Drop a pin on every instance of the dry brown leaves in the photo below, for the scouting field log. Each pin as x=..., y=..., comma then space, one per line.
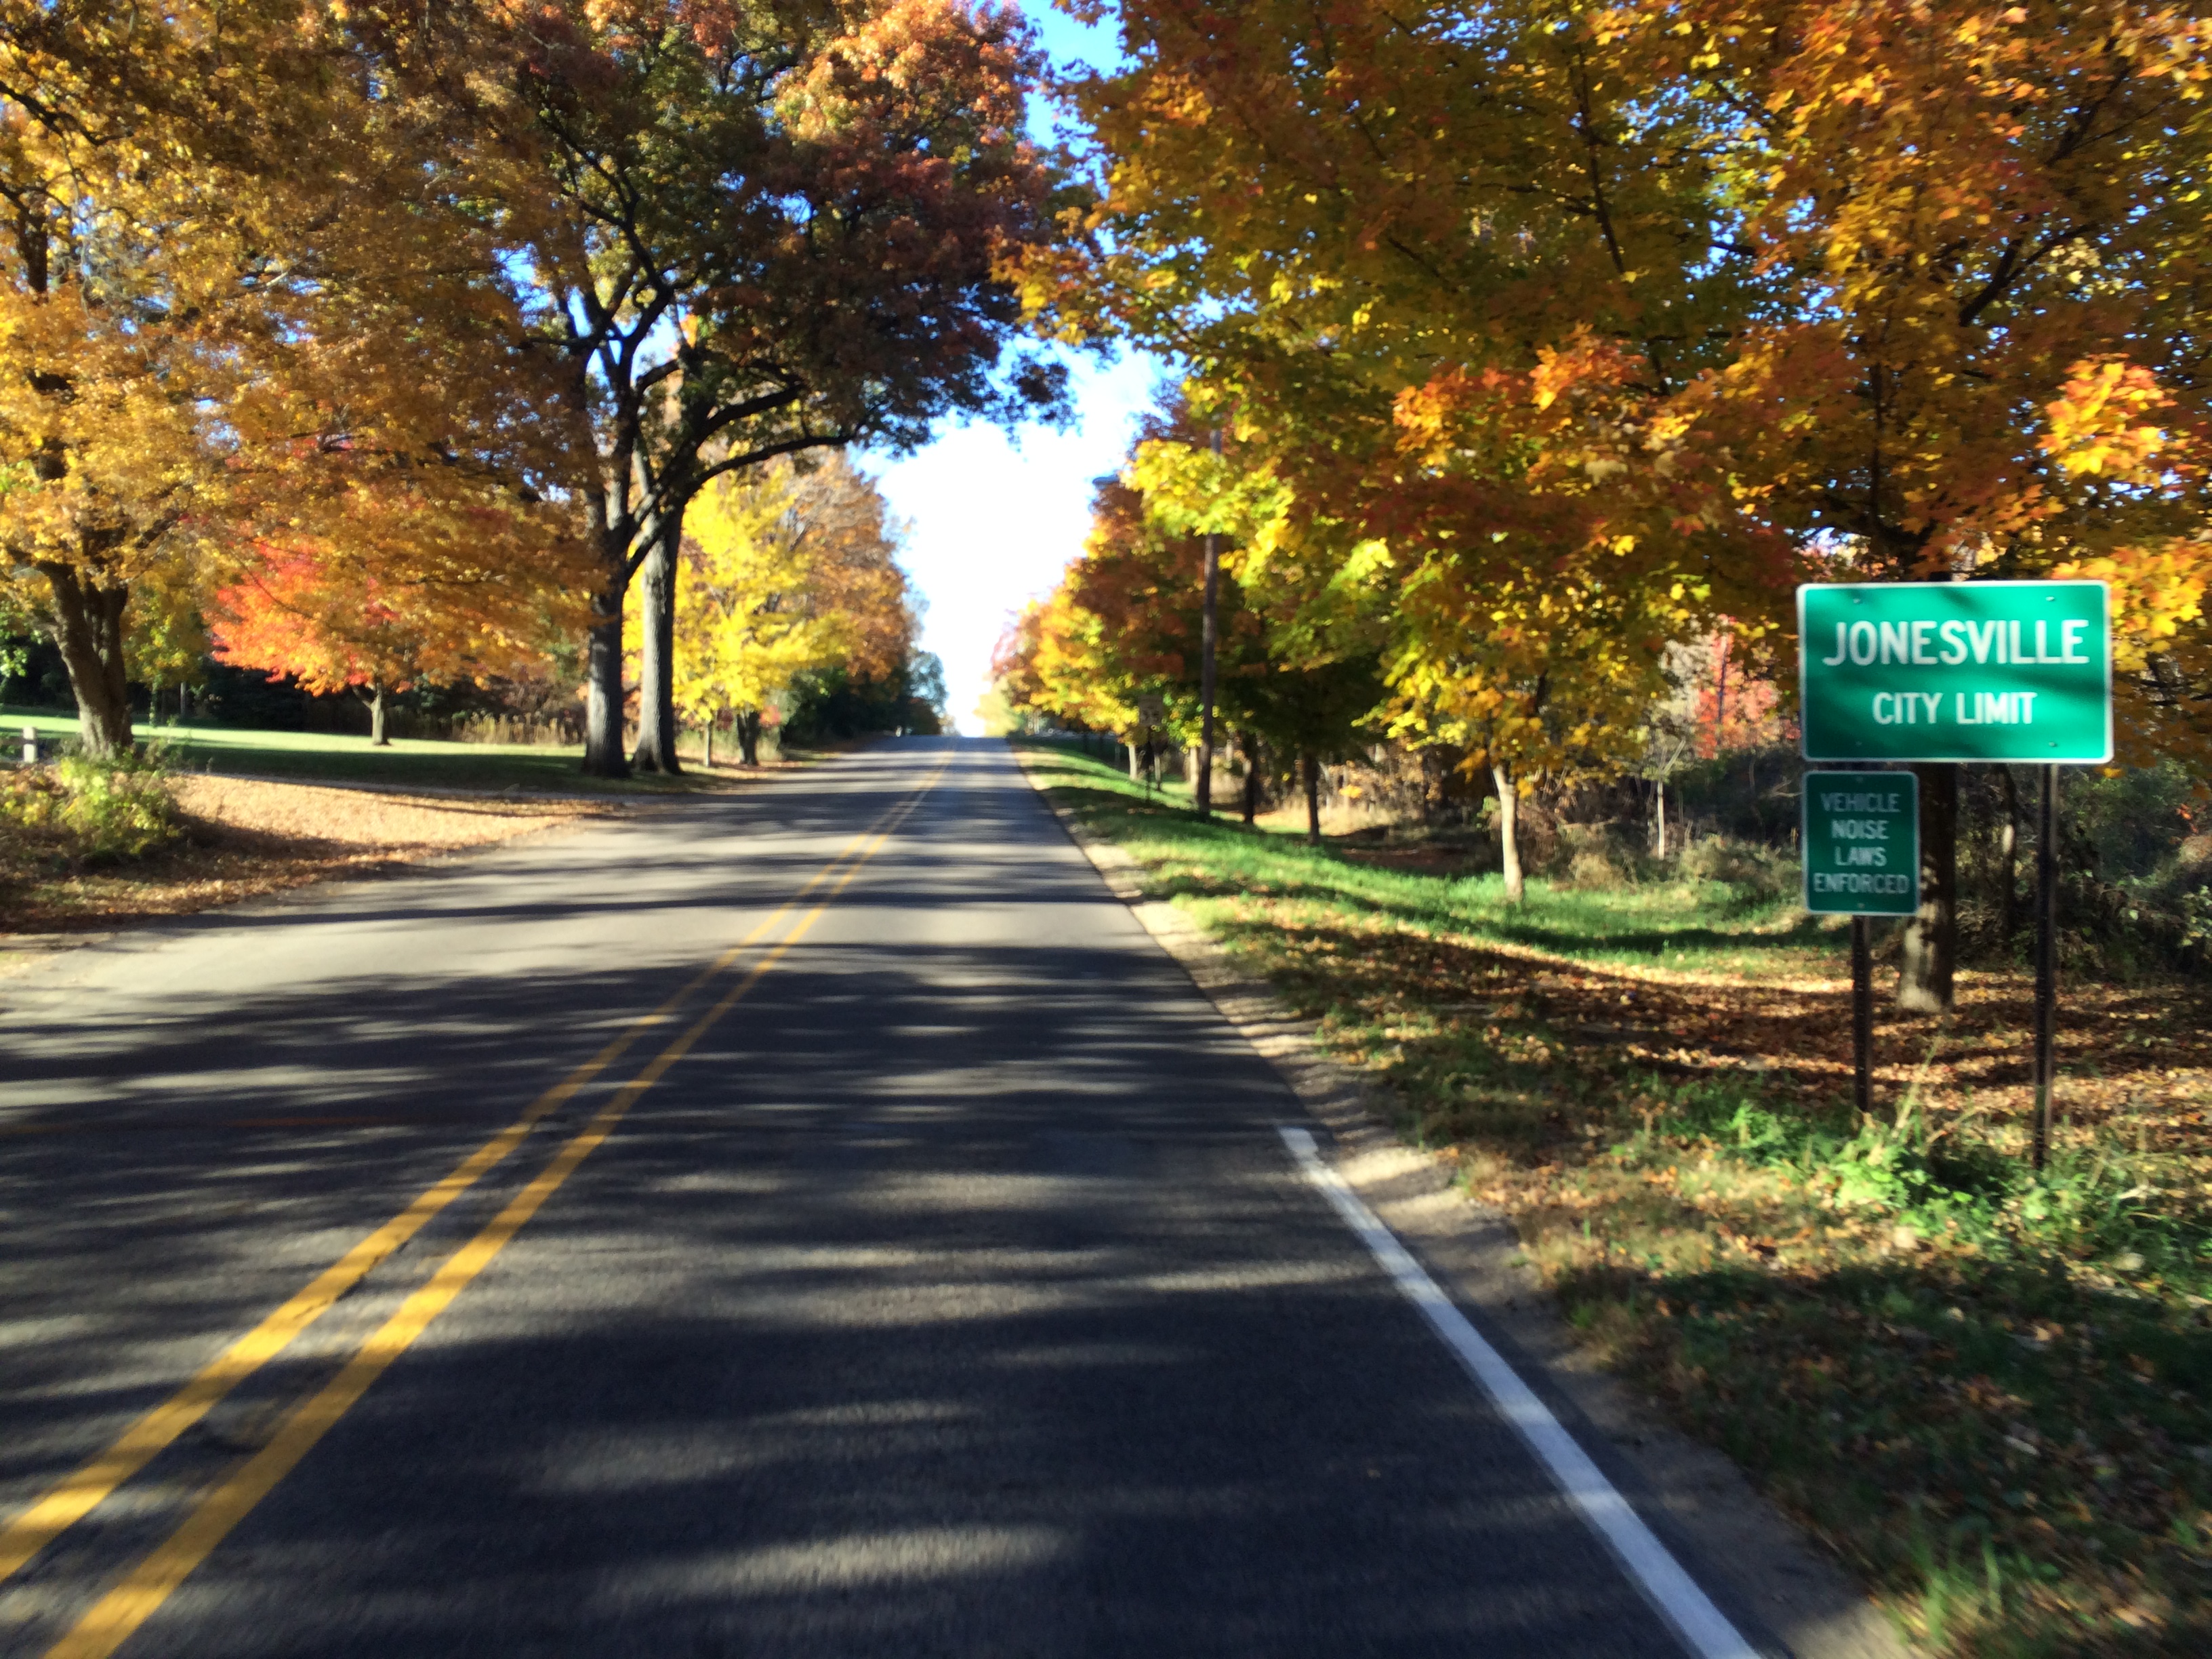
x=248, y=837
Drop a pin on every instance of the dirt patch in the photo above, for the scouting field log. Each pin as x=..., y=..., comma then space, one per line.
x=247, y=837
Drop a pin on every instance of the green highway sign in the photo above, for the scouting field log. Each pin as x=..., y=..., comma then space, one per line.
x=1862, y=843
x=1956, y=671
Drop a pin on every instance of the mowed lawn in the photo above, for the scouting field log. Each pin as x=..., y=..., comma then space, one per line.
x=1991, y=1394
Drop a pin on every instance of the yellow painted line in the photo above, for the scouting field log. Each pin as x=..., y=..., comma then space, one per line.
x=111, y=1619
x=62, y=1505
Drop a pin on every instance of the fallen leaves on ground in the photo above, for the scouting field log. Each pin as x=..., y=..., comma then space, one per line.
x=243, y=838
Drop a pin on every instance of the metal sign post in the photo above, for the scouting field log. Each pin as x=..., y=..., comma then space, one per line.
x=1989, y=671
x=2046, y=958
x=1862, y=851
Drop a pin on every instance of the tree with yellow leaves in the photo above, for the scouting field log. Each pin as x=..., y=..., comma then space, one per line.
x=785, y=571
x=228, y=304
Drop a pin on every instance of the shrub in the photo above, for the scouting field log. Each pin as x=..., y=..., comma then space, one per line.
x=81, y=811
x=1757, y=872
x=119, y=808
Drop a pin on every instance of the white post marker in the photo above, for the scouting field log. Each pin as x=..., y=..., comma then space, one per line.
x=1702, y=1628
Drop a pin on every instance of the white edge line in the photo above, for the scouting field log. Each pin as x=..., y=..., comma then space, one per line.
x=1701, y=1627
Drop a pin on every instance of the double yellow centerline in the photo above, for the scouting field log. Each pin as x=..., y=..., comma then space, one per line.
x=131, y=1602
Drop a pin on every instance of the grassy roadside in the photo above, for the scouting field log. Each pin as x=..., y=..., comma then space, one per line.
x=1987, y=1393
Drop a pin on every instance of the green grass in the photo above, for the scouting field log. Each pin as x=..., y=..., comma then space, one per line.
x=1690, y=926
x=313, y=757
x=1988, y=1391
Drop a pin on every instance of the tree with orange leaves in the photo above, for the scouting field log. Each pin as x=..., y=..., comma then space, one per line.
x=223, y=272
x=754, y=231
x=402, y=584
x=1670, y=306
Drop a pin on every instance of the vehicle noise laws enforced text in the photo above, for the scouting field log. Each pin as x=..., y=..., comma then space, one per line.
x=1956, y=671
x=1862, y=843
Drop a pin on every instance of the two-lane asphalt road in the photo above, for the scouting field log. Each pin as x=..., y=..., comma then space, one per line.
x=501, y=1262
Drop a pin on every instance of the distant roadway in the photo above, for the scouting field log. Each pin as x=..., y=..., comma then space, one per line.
x=817, y=1222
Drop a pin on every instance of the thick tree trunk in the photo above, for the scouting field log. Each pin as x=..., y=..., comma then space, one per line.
x=1133, y=763
x=2008, y=855
x=1310, y=764
x=88, y=633
x=1251, y=747
x=377, y=740
x=1509, y=833
x=1931, y=939
x=603, y=699
x=748, y=731
x=656, y=675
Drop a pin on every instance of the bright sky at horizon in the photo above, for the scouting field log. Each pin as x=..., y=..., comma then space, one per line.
x=994, y=519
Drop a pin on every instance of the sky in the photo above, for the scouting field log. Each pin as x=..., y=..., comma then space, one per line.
x=994, y=519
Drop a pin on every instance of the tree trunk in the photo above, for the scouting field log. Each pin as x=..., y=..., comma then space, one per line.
x=603, y=703
x=748, y=731
x=710, y=743
x=1206, y=650
x=656, y=674
x=88, y=633
x=1310, y=764
x=377, y=740
x=1251, y=747
x=1133, y=763
x=2008, y=854
x=1509, y=835
x=1662, y=818
x=1931, y=939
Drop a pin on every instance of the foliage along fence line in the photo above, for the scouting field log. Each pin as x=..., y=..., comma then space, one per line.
x=1529, y=349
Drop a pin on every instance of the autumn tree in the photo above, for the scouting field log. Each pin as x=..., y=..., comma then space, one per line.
x=222, y=270
x=785, y=571
x=1983, y=233
x=1665, y=306
x=1437, y=271
x=404, y=586
x=1125, y=621
x=758, y=230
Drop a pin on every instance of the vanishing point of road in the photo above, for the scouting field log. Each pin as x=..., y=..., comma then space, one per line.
x=820, y=1221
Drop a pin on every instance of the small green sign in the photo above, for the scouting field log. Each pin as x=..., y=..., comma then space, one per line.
x=1862, y=843
x=1956, y=671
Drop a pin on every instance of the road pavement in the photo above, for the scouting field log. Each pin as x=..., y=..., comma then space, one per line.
x=925, y=1277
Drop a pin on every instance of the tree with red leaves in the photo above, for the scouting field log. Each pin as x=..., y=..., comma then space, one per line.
x=402, y=583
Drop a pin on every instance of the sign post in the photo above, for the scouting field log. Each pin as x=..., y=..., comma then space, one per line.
x=1988, y=672
x=1862, y=841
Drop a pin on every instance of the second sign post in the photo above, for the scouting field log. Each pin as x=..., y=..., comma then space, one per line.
x=1862, y=841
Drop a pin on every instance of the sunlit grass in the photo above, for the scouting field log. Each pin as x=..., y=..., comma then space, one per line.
x=1690, y=926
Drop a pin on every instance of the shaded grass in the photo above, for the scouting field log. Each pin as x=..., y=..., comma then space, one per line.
x=1986, y=1392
